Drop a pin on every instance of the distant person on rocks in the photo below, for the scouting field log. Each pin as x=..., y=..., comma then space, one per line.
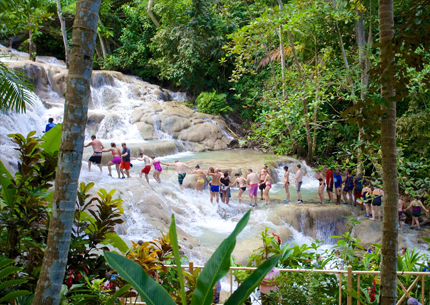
x=358, y=187
x=229, y=190
x=200, y=178
x=214, y=190
x=242, y=185
x=298, y=177
x=96, y=158
x=402, y=251
x=321, y=186
x=348, y=187
x=225, y=188
x=338, y=185
x=262, y=185
x=400, y=209
x=378, y=193
x=287, y=184
x=252, y=180
x=147, y=168
x=268, y=183
x=50, y=125
x=367, y=199
x=181, y=170
x=157, y=169
x=116, y=153
x=125, y=162
x=416, y=205
x=329, y=180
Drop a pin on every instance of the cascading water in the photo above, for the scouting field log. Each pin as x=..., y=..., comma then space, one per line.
x=121, y=109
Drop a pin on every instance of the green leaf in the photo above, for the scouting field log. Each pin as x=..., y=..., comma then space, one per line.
x=5, y=262
x=175, y=248
x=7, y=271
x=114, y=240
x=52, y=139
x=13, y=295
x=150, y=291
x=6, y=180
x=10, y=283
x=248, y=286
x=217, y=266
x=287, y=254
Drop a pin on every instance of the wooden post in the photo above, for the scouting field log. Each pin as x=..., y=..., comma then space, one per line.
x=231, y=282
x=191, y=268
x=340, y=288
x=349, y=297
x=122, y=300
x=358, y=288
x=422, y=289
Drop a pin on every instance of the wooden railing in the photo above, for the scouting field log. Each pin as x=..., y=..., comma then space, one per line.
x=341, y=273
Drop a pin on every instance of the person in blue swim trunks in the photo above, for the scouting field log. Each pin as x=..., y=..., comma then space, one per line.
x=216, y=176
x=181, y=169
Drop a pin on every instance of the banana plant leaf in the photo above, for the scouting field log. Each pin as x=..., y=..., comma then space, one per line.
x=52, y=139
x=5, y=180
x=175, y=248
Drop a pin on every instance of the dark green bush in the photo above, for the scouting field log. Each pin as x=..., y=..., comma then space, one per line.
x=213, y=103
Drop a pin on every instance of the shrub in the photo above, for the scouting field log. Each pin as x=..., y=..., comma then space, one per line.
x=213, y=103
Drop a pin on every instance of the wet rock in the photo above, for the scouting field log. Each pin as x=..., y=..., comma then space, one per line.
x=147, y=131
x=174, y=124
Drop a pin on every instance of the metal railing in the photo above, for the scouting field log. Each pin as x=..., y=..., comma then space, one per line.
x=349, y=273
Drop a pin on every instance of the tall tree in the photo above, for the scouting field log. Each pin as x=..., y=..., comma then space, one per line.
x=70, y=156
x=63, y=32
x=389, y=159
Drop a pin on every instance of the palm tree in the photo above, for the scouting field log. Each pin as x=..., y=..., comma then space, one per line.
x=15, y=90
x=389, y=160
x=70, y=155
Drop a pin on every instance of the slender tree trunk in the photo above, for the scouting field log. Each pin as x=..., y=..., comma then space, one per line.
x=317, y=98
x=389, y=159
x=70, y=155
x=151, y=15
x=64, y=33
x=281, y=49
x=31, y=48
x=102, y=45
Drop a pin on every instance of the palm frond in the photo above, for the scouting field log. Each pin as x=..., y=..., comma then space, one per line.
x=275, y=55
x=15, y=90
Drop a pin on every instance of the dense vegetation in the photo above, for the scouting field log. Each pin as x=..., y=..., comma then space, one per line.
x=304, y=75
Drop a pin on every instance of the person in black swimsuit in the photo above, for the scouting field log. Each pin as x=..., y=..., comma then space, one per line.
x=321, y=187
x=225, y=187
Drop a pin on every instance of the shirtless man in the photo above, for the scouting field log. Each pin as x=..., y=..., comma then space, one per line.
x=286, y=185
x=252, y=180
x=97, y=154
x=216, y=176
x=242, y=185
x=147, y=167
x=298, y=177
x=200, y=178
x=180, y=169
x=400, y=209
x=262, y=177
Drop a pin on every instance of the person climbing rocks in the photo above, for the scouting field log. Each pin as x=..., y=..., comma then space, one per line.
x=96, y=158
x=298, y=177
x=50, y=125
x=181, y=170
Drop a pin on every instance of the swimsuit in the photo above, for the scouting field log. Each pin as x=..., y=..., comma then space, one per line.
x=321, y=181
x=400, y=214
x=416, y=211
x=157, y=166
x=269, y=185
x=96, y=157
x=366, y=199
x=116, y=158
x=253, y=190
x=262, y=185
x=125, y=165
x=181, y=178
x=214, y=188
x=201, y=181
x=298, y=186
x=243, y=188
x=146, y=169
x=377, y=201
x=225, y=182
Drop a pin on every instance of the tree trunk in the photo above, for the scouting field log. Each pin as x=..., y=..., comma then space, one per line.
x=70, y=155
x=151, y=15
x=31, y=48
x=389, y=159
x=64, y=33
x=281, y=49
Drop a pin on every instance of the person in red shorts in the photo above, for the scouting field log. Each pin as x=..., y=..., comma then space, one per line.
x=147, y=167
x=329, y=180
x=125, y=161
x=358, y=190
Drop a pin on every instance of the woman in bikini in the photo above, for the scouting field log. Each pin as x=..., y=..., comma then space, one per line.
x=200, y=178
x=157, y=169
x=367, y=199
x=321, y=187
x=116, y=153
x=287, y=184
x=242, y=185
x=268, y=182
x=416, y=205
x=377, y=202
x=225, y=187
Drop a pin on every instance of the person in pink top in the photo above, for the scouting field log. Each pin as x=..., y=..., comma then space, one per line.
x=269, y=284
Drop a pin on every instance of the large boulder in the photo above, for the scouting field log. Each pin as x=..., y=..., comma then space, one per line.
x=147, y=131
x=175, y=124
